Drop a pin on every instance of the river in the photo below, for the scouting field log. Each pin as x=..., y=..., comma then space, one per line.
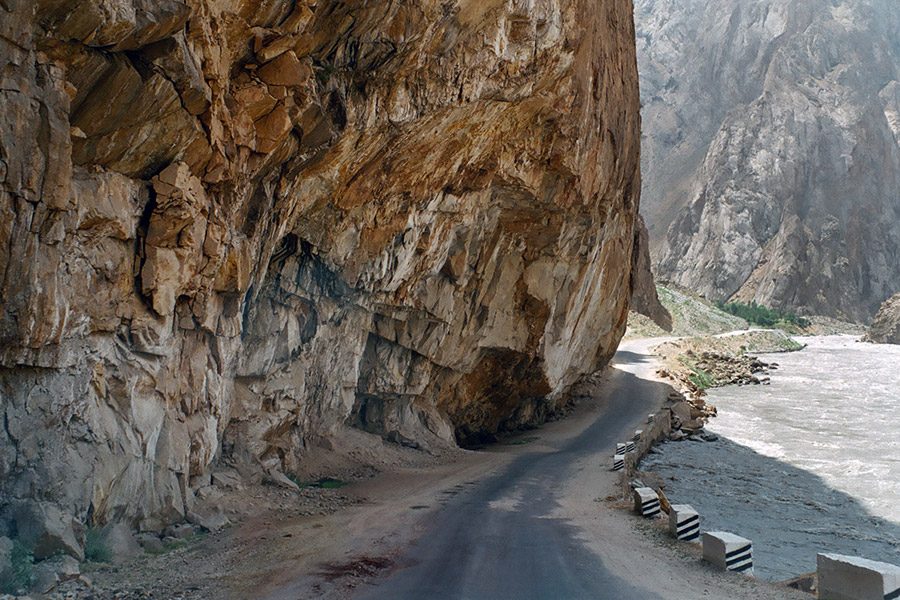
x=810, y=463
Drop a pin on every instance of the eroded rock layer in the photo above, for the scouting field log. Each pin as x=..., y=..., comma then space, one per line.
x=234, y=227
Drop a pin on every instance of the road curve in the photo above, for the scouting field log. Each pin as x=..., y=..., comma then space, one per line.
x=498, y=538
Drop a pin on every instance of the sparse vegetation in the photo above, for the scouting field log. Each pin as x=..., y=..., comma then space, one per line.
x=325, y=483
x=95, y=547
x=20, y=575
x=700, y=378
x=762, y=316
x=691, y=315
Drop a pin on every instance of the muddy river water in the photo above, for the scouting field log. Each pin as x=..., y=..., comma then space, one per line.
x=810, y=463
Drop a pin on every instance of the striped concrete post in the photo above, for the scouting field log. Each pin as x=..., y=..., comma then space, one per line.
x=851, y=578
x=684, y=522
x=629, y=446
x=638, y=434
x=621, y=448
x=728, y=551
x=651, y=418
x=618, y=462
x=646, y=502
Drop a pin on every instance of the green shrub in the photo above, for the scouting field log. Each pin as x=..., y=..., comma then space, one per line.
x=95, y=547
x=702, y=379
x=762, y=316
x=21, y=573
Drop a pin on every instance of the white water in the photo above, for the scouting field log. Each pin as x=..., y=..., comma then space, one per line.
x=808, y=464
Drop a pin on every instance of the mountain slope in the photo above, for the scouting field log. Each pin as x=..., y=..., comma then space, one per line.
x=771, y=156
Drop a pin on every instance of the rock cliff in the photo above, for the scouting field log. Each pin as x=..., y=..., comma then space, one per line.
x=231, y=229
x=885, y=328
x=771, y=156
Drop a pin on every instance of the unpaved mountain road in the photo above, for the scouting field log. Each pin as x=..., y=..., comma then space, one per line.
x=525, y=520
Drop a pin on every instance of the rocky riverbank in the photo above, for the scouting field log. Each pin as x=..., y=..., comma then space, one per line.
x=696, y=364
x=798, y=466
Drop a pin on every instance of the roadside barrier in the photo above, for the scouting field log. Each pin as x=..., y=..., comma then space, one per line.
x=618, y=462
x=651, y=418
x=638, y=434
x=728, y=551
x=684, y=522
x=851, y=578
x=622, y=448
x=646, y=502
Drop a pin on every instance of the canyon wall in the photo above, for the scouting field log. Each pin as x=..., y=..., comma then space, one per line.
x=772, y=150
x=231, y=228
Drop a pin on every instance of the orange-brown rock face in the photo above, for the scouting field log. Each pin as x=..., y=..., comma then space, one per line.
x=235, y=227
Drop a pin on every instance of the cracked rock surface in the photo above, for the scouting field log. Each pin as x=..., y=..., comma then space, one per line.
x=231, y=230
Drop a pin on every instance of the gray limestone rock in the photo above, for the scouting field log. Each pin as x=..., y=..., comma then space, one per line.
x=210, y=521
x=121, y=542
x=53, y=571
x=150, y=543
x=48, y=531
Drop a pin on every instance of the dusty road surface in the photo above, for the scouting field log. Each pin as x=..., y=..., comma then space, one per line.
x=534, y=518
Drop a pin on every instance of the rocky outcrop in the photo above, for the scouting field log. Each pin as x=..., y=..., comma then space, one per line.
x=885, y=328
x=645, y=299
x=231, y=229
x=772, y=151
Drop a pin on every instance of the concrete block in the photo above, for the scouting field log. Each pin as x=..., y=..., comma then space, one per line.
x=638, y=434
x=684, y=522
x=629, y=446
x=851, y=578
x=621, y=448
x=728, y=551
x=618, y=462
x=651, y=417
x=646, y=502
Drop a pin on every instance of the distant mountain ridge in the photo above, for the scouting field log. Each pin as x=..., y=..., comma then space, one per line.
x=770, y=153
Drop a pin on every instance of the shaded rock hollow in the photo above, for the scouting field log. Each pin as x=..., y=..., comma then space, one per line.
x=231, y=229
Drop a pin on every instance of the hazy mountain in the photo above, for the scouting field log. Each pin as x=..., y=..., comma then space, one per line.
x=771, y=158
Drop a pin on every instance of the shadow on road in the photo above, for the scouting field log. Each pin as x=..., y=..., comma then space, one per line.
x=624, y=357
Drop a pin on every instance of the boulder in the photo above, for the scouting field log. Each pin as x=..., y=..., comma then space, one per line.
x=210, y=521
x=48, y=531
x=180, y=532
x=150, y=542
x=53, y=571
x=885, y=327
x=227, y=479
x=121, y=542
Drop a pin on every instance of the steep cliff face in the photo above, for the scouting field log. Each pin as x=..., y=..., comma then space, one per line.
x=885, y=328
x=233, y=228
x=771, y=160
